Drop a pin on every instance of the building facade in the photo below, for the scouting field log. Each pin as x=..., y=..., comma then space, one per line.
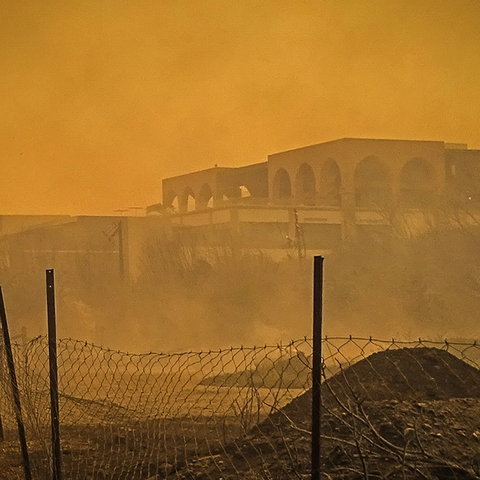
x=327, y=194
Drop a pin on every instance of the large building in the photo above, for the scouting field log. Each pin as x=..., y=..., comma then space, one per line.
x=323, y=195
x=94, y=258
x=78, y=246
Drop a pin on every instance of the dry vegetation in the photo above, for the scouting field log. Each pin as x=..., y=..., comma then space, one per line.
x=191, y=297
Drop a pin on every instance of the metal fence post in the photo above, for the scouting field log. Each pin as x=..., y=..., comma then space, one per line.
x=52, y=356
x=15, y=391
x=2, y=380
x=317, y=365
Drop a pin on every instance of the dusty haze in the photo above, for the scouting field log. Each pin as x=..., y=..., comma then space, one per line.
x=102, y=99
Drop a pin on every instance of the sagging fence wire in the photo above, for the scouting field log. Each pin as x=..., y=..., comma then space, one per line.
x=390, y=409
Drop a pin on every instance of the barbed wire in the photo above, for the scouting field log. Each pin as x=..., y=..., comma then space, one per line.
x=395, y=409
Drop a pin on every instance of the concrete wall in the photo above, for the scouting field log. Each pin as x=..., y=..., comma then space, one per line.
x=18, y=223
x=214, y=186
x=103, y=245
x=348, y=153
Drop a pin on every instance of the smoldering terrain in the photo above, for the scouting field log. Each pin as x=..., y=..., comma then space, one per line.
x=191, y=298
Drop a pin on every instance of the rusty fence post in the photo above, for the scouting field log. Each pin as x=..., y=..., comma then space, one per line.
x=52, y=357
x=15, y=390
x=317, y=365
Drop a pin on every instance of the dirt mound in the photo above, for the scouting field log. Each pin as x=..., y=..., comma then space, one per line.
x=388, y=393
x=415, y=374
x=406, y=412
x=407, y=374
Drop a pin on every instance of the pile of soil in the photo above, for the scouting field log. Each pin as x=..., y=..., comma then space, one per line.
x=407, y=374
x=406, y=413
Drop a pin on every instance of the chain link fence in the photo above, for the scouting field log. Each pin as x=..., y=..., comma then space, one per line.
x=389, y=410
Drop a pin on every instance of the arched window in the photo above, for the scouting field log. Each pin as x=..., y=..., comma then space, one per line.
x=372, y=183
x=329, y=184
x=305, y=185
x=244, y=192
x=171, y=201
x=417, y=184
x=282, y=187
x=174, y=204
x=187, y=202
x=205, y=197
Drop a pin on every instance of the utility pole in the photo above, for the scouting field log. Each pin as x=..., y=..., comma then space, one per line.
x=121, y=264
x=299, y=238
x=117, y=230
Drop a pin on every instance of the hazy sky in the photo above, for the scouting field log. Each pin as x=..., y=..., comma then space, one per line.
x=101, y=99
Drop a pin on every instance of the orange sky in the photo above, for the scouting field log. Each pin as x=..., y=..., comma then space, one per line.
x=101, y=99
